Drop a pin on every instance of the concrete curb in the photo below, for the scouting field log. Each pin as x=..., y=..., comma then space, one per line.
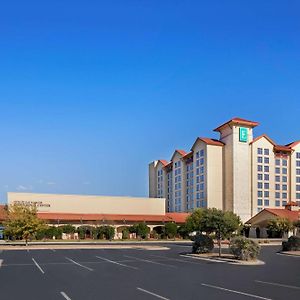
x=226, y=260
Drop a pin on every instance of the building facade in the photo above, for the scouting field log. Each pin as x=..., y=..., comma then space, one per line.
x=236, y=172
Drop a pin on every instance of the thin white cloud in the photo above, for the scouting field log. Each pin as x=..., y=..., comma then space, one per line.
x=86, y=183
x=51, y=183
x=21, y=187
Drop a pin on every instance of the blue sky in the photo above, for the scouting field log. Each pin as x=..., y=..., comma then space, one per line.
x=91, y=91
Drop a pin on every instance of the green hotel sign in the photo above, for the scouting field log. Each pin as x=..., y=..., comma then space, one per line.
x=243, y=134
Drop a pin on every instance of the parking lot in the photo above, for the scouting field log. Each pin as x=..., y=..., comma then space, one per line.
x=143, y=274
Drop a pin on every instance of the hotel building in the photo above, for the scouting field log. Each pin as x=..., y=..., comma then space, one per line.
x=237, y=172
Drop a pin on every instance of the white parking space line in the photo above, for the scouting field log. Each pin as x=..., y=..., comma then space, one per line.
x=38, y=266
x=65, y=295
x=78, y=264
x=1, y=261
x=150, y=261
x=116, y=263
x=279, y=284
x=235, y=292
x=151, y=293
x=176, y=259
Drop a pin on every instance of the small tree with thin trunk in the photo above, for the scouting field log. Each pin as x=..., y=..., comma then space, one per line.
x=23, y=222
x=214, y=221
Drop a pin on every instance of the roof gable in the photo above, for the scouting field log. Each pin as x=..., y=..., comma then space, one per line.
x=181, y=153
x=208, y=141
x=265, y=137
x=238, y=121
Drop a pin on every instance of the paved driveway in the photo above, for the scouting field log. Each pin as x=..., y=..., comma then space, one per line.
x=143, y=274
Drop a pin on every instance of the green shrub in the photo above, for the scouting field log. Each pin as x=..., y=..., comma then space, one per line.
x=125, y=234
x=292, y=244
x=68, y=229
x=202, y=244
x=170, y=230
x=244, y=249
x=109, y=232
x=140, y=229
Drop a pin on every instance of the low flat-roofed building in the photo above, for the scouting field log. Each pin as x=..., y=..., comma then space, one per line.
x=79, y=210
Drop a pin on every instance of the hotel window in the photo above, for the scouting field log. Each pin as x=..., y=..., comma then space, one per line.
x=201, y=186
x=284, y=195
x=201, y=161
x=277, y=203
x=297, y=171
x=298, y=155
x=259, y=159
x=197, y=154
x=198, y=196
x=259, y=150
x=277, y=170
x=260, y=177
x=259, y=202
x=259, y=168
x=266, y=151
x=266, y=202
x=277, y=187
x=259, y=193
x=284, y=170
x=283, y=203
x=284, y=162
x=298, y=196
x=298, y=163
x=277, y=162
x=266, y=160
x=284, y=179
x=266, y=185
x=266, y=176
x=298, y=179
x=266, y=169
x=277, y=195
x=298, y=188
x=277, y=178
x=259, y=185
x=202, y=178
x=266, y=194
x=202, y=152
x=284, y=187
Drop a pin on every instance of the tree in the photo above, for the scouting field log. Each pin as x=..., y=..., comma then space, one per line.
x=23, y=222
x=216, y=221
x=277, y=227
x=170, y=230
x=68, y=229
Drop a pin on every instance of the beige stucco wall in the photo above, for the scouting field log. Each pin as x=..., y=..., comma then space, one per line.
x=214, y=174
x=152, y=179
x=91, y=204
x=237, y=171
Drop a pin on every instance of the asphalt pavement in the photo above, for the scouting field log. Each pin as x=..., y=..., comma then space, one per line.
x=143, y=274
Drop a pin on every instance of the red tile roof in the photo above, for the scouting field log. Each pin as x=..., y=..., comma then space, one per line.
x=188, y=155
x=164, y=162
x=168, y=217
x=263, y=136
x=208, y=141
x=282, y=148
x=284, y=213
x=293, y=144
x=238, y=121
x=180, y=152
